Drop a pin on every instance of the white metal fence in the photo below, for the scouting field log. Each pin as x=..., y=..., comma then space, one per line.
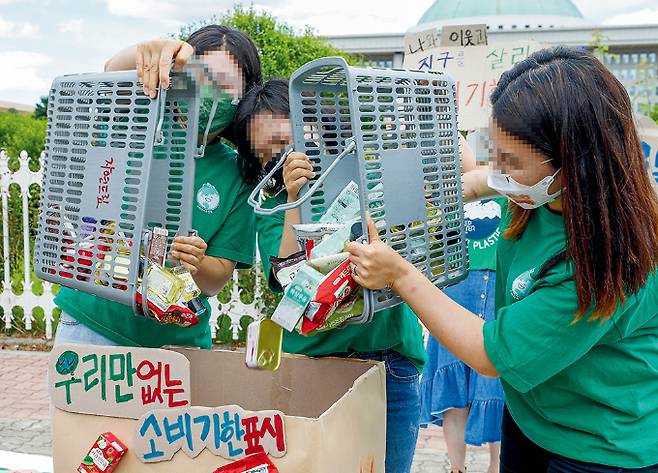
x=30, y=298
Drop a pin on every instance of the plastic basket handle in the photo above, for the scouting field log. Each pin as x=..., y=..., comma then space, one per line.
x=350, y=146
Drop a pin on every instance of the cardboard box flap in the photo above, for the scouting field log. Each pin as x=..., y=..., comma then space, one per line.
x=302, y=386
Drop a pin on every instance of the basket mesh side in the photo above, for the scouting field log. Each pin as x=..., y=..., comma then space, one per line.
x=324, y=114
x=410, y=170
x=171, y=180
x=96, y=147
x=406, y=160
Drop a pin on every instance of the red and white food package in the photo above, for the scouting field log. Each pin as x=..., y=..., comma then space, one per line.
x=255, y=463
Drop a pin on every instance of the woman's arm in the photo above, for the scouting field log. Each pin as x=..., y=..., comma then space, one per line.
x=296, y=172
x=209, y=272
x=152, y=60
x=475, y=185
x=457, y=329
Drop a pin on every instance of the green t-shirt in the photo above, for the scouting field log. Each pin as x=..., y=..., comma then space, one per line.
x=223, y=219
x=396, y=328
x=584, y=390
x=481, y=221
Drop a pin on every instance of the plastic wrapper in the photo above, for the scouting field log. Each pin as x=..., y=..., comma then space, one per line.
x=285, y=269
x=254, y=463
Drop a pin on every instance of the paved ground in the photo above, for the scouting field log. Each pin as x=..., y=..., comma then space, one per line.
x=25, y=426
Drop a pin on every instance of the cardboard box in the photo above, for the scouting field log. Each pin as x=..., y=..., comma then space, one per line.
x=333, y=411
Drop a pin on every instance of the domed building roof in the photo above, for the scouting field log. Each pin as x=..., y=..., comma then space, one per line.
x=502, y=14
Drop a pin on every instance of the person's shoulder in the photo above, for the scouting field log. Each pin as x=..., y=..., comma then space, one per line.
x=222, y=152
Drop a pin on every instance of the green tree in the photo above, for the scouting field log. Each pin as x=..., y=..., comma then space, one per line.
x=21, y=132
x=282, y=48
x=41, y=108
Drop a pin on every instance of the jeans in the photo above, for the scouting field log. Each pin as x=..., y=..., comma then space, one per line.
x=518, y=454
x=70, y=330
x=402, y=408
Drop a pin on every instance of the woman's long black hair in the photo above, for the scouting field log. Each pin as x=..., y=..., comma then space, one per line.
x=240, y=46
x=271, y=97
x=571, y=108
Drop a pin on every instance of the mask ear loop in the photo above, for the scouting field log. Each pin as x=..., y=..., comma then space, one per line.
x=202, y=149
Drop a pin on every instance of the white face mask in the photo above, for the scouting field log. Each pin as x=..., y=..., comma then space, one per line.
x=527, y=197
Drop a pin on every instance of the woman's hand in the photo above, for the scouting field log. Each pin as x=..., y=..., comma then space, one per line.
x=377, y=265
x=190, y=251
x=296, y=172
x=153, y=62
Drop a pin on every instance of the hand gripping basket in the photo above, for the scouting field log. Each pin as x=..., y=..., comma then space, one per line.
x=394, y=133
x=117, y=163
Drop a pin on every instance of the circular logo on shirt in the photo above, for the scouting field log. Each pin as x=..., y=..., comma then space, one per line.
x=522, y=284
x=207, y=198
x=481, y=219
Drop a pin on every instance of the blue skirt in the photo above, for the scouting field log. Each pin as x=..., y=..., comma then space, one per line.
x=447, y=383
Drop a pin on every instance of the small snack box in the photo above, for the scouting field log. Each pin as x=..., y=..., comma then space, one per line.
x=104, y=455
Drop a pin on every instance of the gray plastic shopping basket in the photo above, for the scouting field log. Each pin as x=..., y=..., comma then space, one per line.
x=117, y=163
x=394, y=133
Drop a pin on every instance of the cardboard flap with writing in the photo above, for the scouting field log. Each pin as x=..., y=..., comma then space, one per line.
x=117, y=381
x=335, y=414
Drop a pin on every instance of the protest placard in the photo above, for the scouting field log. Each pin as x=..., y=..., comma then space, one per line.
x=476, y=70
x=117, y=381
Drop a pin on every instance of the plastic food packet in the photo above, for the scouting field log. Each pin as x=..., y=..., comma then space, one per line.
x=190, y=289
x=328, y=263
x=178, y=314
x=334, y=289
x=264, y=339
x=157, y=252
x=285, y=269
x=346, y=206
x=297, y=297
x=351, y=307
x=104, y=455
x=310, y=234
x=173, y=296
x=333, y=244
x=254, y=463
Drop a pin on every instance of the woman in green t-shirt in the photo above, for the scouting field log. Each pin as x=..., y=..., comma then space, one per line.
x=576, y=332
x=227, y=64
x=394, y=336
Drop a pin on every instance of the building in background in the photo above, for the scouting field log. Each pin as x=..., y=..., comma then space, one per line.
x=632, y=54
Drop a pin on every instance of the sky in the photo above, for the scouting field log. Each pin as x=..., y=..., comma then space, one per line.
x=41, y=39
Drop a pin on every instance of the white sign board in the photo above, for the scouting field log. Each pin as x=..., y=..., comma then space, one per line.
x=419, y=41
x=476, y=71
x=117, y=381
x=464, y=35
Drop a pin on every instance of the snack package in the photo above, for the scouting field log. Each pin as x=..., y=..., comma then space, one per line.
x=157, y=252
x=334, y=289
x=285, y=269
x=310, y=234
x=328, y=263
x=297, y=297
x=190, y=289
x=254, y=463
x=333, y=244
x=179, y=314
x=350, y=307
x=104, y=455
x=173, y=296
x=345, y=207
x=264, y=339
